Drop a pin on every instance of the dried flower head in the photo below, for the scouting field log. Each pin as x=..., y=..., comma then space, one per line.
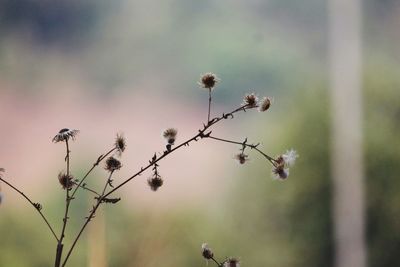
x=241, y=158
x=282, y=164
x=232, y=262
x=250, y=100
x=155, y=182
x=206, y=251
x=265, y=104
x=280, y=172
x=66, y=181
x=208, y=80
x=64, y=135
x=120, y=144
x=290, y=157
x=170, y=135
x=112, y=164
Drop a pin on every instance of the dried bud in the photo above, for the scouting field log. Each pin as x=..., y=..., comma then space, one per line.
x=112, y=164
x=66, y=181
x=120, y=144
x=241, y=158
x=280, y=172
x=170, y=135
x=64, y=135
x=232, y=262
x=282, y=164
x=265, y=104
x=250, y=100
x=206, y=251
x=155, y=182
x=208, y=80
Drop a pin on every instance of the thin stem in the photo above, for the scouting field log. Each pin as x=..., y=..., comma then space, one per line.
x=216, y=262
x=201, y=134
x=91, y=169
x=67, y=156
x=92, y=213
x=85, y=188
x=209, y=105
x=272, y=160
x=88, y=219
x=67, y=198
x=105, y=186
x=244, y=144
x=34, y=205
x=65, y=219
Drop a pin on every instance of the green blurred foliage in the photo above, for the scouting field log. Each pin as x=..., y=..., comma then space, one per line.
x=382, y=156
x=288, y=223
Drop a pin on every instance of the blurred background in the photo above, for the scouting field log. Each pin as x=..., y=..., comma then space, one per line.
x=132, y=66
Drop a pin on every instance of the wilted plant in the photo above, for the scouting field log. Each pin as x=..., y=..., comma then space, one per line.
x=280, y=168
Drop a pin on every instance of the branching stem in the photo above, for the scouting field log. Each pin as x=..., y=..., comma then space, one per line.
x=100, y=159
x=244, y=144
x=88, y=219
x=201, y=134
x=60, y=244
x=34, y=205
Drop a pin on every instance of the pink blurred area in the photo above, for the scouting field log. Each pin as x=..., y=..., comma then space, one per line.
x=29, y=122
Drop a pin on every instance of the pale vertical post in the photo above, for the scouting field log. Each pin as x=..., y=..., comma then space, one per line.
x=346, y=110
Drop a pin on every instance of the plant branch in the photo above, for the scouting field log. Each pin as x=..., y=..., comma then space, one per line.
x=84, y=187
x=88, y=219
x=209, y=105
x=216, y=262
x=201, y=134
x=67, y=198
x=91, y=169
x=60, y=244
x=244, y=144
x=37, y=206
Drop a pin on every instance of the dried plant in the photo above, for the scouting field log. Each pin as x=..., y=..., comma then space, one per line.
x=280, y=169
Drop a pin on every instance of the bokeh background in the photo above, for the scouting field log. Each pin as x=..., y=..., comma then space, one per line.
x=132, y=66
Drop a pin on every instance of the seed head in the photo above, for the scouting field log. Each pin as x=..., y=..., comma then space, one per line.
x=241, y=158
x=120, y=144
x=280, y=172
x=208, y=80
x=265, y=104
x=170, y=135
x=112, y=164
x=232, y=262
x=250, y=100
x=206, y=251
x=64, y=135
x=155, y=182
x=66, y=181
x=290, y=157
